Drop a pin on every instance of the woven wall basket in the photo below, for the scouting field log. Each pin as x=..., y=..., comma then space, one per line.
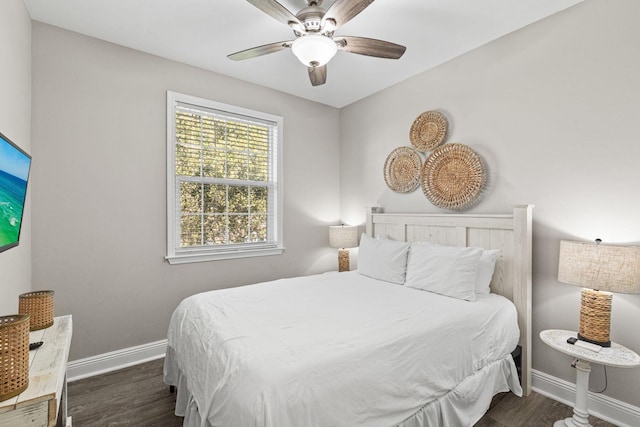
x=39, y=305
x=452, y=177
x=428, y=130
x=14, y=355
x=402, y=170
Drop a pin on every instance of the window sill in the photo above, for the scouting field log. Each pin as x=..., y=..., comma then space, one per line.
x=218, y=256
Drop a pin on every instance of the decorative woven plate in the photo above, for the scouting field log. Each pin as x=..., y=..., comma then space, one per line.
x=402, y=170
x=428, y=130
x=453, y=176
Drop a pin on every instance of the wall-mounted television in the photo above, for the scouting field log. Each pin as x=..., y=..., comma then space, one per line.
x=14, y=175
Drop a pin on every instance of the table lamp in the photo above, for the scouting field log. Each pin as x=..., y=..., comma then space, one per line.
x=343, y=237
x=599, y=269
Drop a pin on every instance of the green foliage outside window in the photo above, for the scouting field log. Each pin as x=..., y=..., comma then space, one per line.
x=222, y=167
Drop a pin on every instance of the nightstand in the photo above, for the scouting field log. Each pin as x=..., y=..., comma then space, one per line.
x=617, y=356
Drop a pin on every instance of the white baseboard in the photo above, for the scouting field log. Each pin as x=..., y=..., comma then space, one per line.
x=606, y=408
x=603, y=407
x=112, y=361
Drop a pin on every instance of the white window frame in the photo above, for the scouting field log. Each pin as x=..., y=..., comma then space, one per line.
x=176, y=255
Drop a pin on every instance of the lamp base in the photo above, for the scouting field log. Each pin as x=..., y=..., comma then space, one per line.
x=600, y=343
x=595, y=317
x=343, y=260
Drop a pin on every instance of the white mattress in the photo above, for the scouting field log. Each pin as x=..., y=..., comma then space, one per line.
x=335, y=349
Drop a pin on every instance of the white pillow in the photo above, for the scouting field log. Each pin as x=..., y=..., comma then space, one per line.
x=383, y=259
x=445, y=270
x=485, y=270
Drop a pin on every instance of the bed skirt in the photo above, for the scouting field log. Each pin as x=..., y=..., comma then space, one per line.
x=462, y=406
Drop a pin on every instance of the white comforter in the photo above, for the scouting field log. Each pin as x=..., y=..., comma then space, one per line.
x=335, y=349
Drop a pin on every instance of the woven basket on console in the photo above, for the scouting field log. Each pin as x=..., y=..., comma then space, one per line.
x=39, y=305
x=14, y=355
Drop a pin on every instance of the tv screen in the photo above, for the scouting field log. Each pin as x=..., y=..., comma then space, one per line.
x=14, y=174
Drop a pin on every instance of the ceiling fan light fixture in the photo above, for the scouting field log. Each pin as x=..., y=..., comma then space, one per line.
x=314, y=49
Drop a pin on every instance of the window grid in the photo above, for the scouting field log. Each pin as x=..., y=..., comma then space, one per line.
x=245, y=150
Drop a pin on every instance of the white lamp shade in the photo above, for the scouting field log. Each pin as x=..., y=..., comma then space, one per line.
x=343, y=236
x=602, y=267
x=314, y=49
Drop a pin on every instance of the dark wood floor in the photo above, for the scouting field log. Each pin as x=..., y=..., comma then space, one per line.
x=137, y=396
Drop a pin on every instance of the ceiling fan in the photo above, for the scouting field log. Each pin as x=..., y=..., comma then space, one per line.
x=315, y=43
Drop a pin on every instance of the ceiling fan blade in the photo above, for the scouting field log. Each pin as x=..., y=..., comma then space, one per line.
x=278, y=12
x=318, y=75
x=370, y=47
x=342, y=11
x=259, y=51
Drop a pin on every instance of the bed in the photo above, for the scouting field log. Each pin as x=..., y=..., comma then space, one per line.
x=349, y=349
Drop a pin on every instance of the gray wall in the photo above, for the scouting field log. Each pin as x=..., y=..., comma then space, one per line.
x=99, y=191
x=553, y=110
x=15, y=123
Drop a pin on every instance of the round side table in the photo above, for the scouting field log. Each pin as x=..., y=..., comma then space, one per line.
x=617, y=356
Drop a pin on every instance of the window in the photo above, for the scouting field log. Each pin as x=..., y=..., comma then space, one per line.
x=224, y=194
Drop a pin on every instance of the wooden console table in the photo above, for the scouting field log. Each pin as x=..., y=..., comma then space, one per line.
x=44, y=402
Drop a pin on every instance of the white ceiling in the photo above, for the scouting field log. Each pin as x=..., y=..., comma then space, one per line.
x=203, y=32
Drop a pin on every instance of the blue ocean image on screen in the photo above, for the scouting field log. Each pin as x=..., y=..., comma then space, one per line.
x=14, y=170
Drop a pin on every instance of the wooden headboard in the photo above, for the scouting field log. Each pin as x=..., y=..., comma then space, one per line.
x=510, y=233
